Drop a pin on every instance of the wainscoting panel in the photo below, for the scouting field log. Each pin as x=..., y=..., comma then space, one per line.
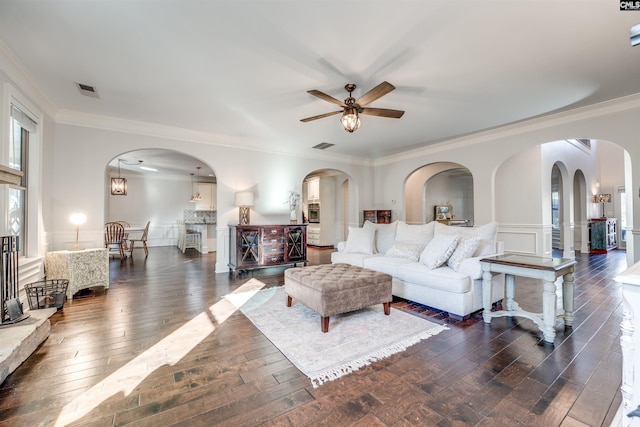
x=526, y=239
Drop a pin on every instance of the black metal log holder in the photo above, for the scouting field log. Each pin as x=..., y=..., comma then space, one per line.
x=11, y=309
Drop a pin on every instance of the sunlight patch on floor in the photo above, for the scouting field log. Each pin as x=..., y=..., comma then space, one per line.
x=167, y=351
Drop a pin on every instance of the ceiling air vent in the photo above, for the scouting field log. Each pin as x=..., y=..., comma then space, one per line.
x=323, y=146
x=87, y=90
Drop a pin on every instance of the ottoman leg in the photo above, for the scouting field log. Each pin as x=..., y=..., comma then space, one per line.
x=324, y=323
x=289, y=301
x=387, y=308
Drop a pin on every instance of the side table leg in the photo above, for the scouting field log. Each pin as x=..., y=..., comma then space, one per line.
x=509, y=290
x=549, y=301
x=487, y=282
x=567, y=298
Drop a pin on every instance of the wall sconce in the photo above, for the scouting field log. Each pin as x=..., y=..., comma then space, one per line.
x=119, y=184
x=77, y=219
x=602, y=199
x=244, y=199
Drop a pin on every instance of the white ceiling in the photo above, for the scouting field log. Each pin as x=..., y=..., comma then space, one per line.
x=238, y=71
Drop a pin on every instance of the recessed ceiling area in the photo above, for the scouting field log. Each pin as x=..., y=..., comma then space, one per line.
x=192, y=66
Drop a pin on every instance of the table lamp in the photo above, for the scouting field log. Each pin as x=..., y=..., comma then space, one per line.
x=77, y=219
x=602, y=199
x=244, y=199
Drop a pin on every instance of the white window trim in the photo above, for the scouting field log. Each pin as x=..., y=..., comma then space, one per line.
x=11, y=96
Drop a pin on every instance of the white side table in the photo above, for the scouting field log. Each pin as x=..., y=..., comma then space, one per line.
x=83, y=269
x=547, y=269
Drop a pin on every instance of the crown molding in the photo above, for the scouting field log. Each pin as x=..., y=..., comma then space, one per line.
x=115, y=124
x=24, y=81
x=626, y=103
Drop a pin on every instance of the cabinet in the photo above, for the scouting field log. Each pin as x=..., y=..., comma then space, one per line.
x=83, y=269
x=377, y=216
x=603, y=235
x=260, y=246
x=208, y=194
x=322, y=191
x=313, y=189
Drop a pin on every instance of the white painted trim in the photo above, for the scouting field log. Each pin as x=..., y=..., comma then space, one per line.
x=627, y=103
x=21, y=77
x=115, y=124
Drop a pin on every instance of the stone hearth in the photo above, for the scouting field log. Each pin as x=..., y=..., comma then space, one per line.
x=18, y=341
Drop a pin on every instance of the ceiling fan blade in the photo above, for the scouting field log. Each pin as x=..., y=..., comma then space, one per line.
x=308, y=119
x=375, y=93
x=382, y=112
x=327, y=98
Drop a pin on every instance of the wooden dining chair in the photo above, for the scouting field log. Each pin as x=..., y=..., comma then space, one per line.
x=114, y=238
x=142, y=239
x=125, y=224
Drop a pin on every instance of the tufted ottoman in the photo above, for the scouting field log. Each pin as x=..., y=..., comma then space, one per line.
x=330, y=289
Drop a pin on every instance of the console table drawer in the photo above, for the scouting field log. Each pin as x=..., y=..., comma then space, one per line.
x=272, y=259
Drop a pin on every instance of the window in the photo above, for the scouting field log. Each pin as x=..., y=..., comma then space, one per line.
x=555, y=208
x=21, y=124
x=623, y=214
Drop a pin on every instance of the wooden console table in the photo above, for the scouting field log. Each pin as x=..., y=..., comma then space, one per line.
x=260, y=246
x=84, y=268
x=547, y=269
x=602, y=235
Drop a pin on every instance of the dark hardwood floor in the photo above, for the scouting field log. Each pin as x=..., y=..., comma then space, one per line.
x=472, y=374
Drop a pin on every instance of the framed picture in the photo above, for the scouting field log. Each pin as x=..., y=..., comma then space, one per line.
x=442, y=212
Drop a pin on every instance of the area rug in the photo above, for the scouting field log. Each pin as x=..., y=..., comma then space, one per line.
x=354, y=339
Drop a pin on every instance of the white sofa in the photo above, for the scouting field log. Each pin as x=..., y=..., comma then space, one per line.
x=432, y=264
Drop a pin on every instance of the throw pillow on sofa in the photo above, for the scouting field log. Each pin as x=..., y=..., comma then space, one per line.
x=385, y=235
x=410, y=251
x=360, y=241
x=412, y=233
x=465, y=248
x=438, y=251
x=488, y=234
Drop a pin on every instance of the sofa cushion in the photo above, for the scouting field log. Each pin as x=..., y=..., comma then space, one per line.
x=443, y=278
x=350, y=258
x=417, y=234
x=438, y=251
x=385, y=264
x=409, y=251
x=360, y=241
x=487, y=233
x=385, y=235
x=465, y=248
x=471, y=267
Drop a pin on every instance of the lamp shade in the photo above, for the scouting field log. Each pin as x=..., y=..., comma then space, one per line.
x=602, y=198
x=78, y=218
x=244, y=198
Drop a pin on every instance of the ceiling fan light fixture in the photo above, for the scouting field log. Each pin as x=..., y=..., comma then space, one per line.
x=350, y=119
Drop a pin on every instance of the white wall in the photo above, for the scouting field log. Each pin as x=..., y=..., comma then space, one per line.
x=161, y=200
x=235, y=170
x=484, y=153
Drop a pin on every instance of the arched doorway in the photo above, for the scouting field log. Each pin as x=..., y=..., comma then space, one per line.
x=163, y=187
x=326, y=206
x=442, y=183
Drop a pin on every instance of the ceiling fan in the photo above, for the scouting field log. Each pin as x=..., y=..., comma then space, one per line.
x=352, y=108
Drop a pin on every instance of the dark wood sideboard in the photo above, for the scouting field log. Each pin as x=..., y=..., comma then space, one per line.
x=261, y=246
x=603, y=235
